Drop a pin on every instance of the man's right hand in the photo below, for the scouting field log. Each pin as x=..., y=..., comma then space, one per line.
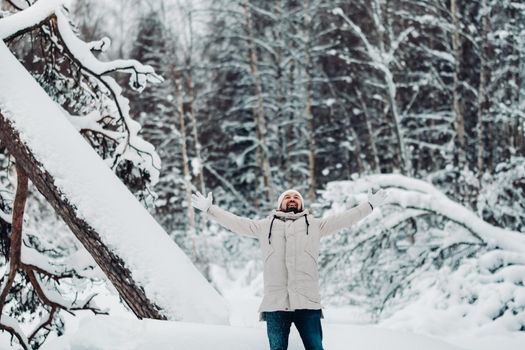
x=200, y=202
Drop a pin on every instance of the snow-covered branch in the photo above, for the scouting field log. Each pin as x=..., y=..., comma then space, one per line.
x=28, y=19
x=396, y=253
x=52, y=17
x=11, y=325
x=82, y=53
x=410, y=193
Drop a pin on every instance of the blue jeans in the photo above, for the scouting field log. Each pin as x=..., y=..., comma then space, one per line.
x=307, y=322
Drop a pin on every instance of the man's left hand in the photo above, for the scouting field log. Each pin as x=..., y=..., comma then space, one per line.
x=378, y=198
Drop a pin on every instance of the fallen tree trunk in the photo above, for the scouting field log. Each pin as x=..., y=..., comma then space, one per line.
x=150, y=272
x=112, y=265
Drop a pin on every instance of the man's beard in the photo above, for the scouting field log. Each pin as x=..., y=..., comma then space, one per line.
x=292, y=210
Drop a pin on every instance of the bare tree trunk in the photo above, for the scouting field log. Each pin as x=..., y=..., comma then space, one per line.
x=282, y=130
x=483, y=101
x=371, y=140
x=517, y=90
x=112, y=265
x=262, y=154
x=191, y=112
x=15, y=247
x=185, y=160
x=201, y=256
x=201, y=185
x=460, y=150
x=519, y=140
x=308, y=110
x=194, y=132
x=289, y=146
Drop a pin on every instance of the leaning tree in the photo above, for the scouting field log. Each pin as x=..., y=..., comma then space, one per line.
x=43, y=134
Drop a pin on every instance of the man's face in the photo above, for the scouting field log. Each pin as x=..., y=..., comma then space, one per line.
x=291, y=202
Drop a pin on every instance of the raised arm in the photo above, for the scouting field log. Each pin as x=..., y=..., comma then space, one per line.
x=232, y=222
x=336, y=222
x=347, y=218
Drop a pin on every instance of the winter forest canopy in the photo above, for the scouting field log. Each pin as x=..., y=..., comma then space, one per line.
x=246, y=98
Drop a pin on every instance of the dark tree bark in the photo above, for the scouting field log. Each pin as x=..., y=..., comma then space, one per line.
x=112, y=265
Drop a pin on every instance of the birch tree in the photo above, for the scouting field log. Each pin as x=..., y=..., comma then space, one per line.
x=381, y=54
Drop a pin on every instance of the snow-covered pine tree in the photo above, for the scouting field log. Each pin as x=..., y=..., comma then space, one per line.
x=155, y=111
x=230, y=126
x=268, y=53
x=344, y=113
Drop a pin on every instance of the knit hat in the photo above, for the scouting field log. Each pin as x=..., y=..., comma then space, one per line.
x=281, y=197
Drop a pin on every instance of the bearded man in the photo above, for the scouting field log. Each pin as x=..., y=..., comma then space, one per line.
x=289, y=239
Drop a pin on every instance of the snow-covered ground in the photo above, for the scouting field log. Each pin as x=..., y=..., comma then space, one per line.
x=343, y=328
x=124, y=333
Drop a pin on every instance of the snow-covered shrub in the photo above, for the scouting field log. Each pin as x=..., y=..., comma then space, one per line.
x=423, y=261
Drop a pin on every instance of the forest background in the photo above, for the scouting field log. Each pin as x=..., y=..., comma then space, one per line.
x=261, y=96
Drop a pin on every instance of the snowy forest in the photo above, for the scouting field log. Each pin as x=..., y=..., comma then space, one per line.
x=245, y=99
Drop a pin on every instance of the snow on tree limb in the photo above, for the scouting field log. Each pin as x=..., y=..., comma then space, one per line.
x=11, y=325
x=145, y=290
x=82, y=52
x=421, y=196
x=431, y=199
x=130, y=146
x=29, y=18
x=91, y=122
x=99, y=45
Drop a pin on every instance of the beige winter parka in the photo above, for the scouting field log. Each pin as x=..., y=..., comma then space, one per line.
x=289, y=244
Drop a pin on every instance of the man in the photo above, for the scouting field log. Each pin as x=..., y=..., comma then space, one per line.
x=289, y=239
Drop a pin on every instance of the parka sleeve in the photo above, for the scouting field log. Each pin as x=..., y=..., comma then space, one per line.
x=234, y=223
x=336, y=222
